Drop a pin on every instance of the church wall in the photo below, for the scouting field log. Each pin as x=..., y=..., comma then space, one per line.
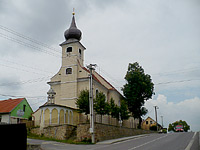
x=36, y=117
x=116, y=96
x=100, y=88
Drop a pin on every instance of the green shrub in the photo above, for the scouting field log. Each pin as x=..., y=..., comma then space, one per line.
x=153, y=128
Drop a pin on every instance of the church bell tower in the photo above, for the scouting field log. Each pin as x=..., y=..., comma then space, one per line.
x=65, y=82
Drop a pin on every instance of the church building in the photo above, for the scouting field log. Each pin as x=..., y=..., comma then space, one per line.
x=71, y=79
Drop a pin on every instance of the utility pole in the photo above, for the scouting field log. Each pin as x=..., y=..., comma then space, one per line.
x=91, y=67
x=156, y=107
x=162, y=120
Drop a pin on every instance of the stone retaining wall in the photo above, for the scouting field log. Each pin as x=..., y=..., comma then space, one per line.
x=106, y=132
x=81, y=132
x=60, y=132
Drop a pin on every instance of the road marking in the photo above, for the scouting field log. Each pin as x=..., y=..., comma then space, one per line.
x=191, y=142
x=108, y=145
x=147, y=143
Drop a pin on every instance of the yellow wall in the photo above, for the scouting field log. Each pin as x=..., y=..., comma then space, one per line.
x=54, y=116
x=46, y=116
x=146, y=126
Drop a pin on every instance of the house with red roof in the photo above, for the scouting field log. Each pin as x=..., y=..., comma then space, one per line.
x=14, y=110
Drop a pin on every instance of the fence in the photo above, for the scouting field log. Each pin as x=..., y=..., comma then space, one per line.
x=108, y=120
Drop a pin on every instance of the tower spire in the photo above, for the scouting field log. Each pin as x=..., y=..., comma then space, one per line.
x=73, y=32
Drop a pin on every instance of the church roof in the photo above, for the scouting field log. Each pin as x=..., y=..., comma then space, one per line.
x=7, y=106
x=94, y=75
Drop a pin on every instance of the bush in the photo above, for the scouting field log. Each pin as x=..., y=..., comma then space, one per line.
x=164, y=131
x=153, y=128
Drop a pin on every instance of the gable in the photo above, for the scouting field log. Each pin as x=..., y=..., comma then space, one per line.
x=22, y=110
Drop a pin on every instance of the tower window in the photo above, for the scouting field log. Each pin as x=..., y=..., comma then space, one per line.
x=80, y=53
x=69, y=49
x=69, y=71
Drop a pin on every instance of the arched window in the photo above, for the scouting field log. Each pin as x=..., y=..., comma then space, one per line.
x=69, y=71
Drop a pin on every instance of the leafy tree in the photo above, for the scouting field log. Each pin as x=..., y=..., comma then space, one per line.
x=83, y=102
x=124, y=110
x=138, y=88
x=100, y=105
x=114, y=109
x=121, y=110
x=172, y=126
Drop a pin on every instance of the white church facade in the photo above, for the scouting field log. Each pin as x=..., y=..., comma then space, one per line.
x=70, y=80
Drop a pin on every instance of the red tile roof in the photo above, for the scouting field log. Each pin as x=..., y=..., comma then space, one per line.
x=8, y=105
x=112, y=87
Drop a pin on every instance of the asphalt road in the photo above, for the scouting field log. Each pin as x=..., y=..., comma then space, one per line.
x=170, y=141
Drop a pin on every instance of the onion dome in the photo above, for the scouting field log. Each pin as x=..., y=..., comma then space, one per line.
x=73, y=32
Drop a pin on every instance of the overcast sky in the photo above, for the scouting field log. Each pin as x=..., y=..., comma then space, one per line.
x=163, y=36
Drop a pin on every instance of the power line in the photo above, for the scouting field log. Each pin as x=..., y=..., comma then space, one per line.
x=25, y=82
x=21, y=69
x=16, y=63
x=28, y=38
x=176, y=72
x=19, y=96
x=170, y=82
x=28, y=45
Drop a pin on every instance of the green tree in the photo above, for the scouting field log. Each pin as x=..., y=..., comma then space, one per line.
x=172, y=126
x=83, y=102
x=114, y=109
x=124, y=113
x=100, y=105
x=153, y=128
x=138, y=89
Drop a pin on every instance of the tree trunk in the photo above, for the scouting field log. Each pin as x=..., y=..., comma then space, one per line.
x=140, y=122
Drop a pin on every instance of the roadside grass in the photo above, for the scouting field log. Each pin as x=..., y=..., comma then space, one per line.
x=68, y=141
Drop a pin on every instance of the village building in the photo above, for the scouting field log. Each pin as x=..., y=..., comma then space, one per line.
x=71, y=79
x=15, y=111
x=148, y=123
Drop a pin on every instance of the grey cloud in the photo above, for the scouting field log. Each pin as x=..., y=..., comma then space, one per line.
x=10, y=84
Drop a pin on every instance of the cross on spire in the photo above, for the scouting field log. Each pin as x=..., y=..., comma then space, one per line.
x=73, y=13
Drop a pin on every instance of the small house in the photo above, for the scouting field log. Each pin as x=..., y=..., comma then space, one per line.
x=15, y=110
x=148, y=122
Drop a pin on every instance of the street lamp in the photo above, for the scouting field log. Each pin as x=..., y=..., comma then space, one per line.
x=91, y=67
x=156, y=107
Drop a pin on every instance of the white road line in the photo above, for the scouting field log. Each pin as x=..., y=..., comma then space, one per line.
x=147, y=143
x=108, y=145
x=191, y=142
